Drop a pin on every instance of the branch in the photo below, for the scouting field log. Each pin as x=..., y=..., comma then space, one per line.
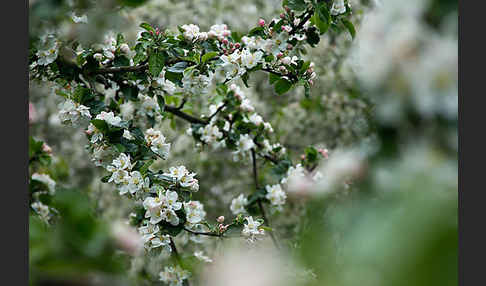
x=120, y=69
x=260, y=205
x=302, y=22
x=185, y=116
x=216, y=112
x=203, y=233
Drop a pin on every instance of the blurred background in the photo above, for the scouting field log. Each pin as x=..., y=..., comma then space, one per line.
x=384, y=104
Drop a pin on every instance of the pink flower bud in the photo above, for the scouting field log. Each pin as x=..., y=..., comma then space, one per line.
x=282, y=15
x=225, y=41
x=311, y=82
x=302, y=157
x=287, y=9
x=279, y=55
x=220, y=219
x=290, y=47
x=46, y=148
x=32, y=113
x=261, y=22
x=324, y=153
x=237, y=45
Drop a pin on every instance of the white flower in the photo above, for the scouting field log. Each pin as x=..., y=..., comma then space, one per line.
x=200, y=255
x=238, y=204
x=191, y=31
x=120, y=163
x=161, y=241
x=96, y=134
x=226, y=126
x=246, y=105
x=98, y=57
x=338, y=7
x=182, y=176
x=135, y=182
x=125, y=49
x=294, y=173
x=154, y=207
x=174, y=276
x=171, y=201
x=256, y=119
x=194, y=211
x=211, y=133
x=148, y=232
x=219, y=31
x=110, y=118
x=119, y=177
x=289, y=60
x=73, y=113
x=50, y=50
x=127, y=135
x=157, y=142
x=47, y=180
x=252, y=229
x=42, y=210
x=275, y=195
x=245, y=143
x=80, y=19
x=250, y=60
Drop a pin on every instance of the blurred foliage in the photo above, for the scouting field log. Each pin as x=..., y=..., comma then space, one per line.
x=77, y=246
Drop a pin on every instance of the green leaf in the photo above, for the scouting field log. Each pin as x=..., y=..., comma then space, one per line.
x=272, y=78
x=105, y=179
x=156, y=63
x=256, y=31
x=312, y=36
x=161, y=102
x=130, y=92
x=245, y=78
x=282, y=86
x=121, y=61
x=178, y=67
x=321, y=23
x=145, y=167
x=100, y=124
x=208, y=56
x=296, y=5
x=349, y=26
x=147, y=27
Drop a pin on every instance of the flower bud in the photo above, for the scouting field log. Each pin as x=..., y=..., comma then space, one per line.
x=282, y=15
x=220, y=219
x=302, y=157
x=286, y=60
x=261, y=22
x=290, y=47
x=98, y=56
x=237, y=45
x=46, y=148
x=225, y=41
x=279, y=55
x=125, y=48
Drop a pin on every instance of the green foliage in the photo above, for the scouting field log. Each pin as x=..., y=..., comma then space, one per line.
x=156, y=63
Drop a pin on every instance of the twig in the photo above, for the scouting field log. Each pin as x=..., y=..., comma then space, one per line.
x=120, y=69
x=203, y=233
x=190, y=118
x=259, y=201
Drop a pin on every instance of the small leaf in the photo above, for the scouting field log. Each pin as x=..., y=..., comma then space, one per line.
x=100, y=124
x=147, y=27
x=282, y=86
x=156, y=63
x=272, y=78
x=296, y=5
x=350, y=27
x=178, y=67
x=208, y=56
x=161, y=102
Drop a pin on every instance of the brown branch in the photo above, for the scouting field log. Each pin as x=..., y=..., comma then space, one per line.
x=259, y=201
x=203, y=233
x=185, y=116
x=120, y=69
